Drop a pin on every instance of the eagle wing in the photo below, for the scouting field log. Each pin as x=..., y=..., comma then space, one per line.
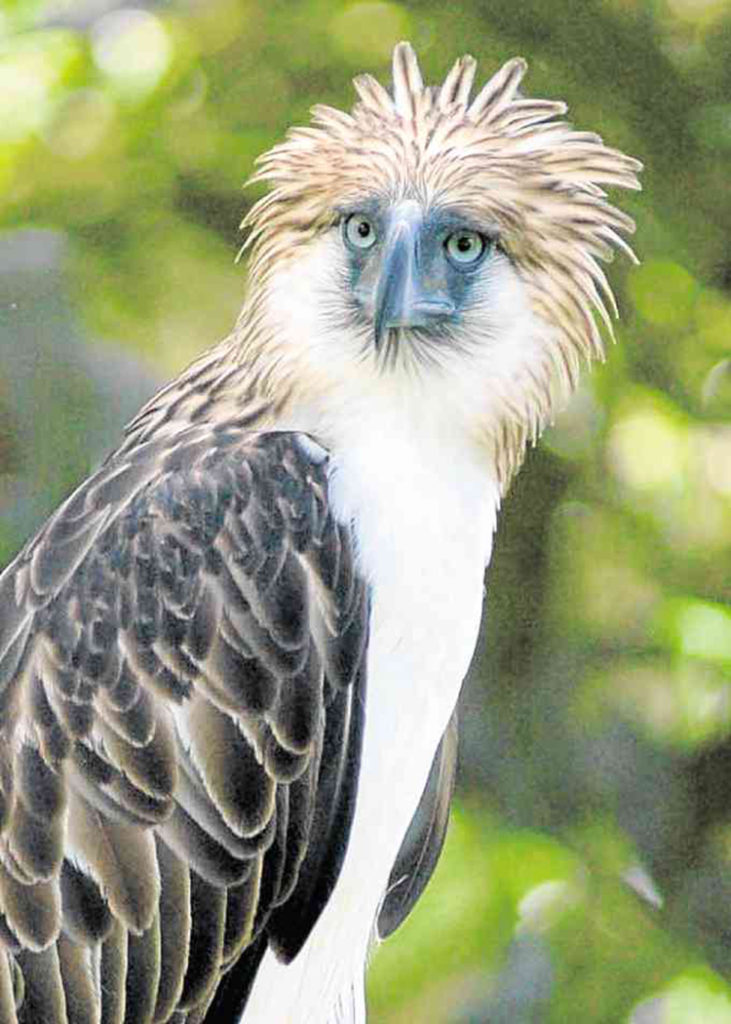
x=182, y=688
x=424, y=839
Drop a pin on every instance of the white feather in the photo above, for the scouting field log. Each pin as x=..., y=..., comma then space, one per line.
x=411, y=471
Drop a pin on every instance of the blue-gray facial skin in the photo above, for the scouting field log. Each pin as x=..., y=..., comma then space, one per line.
x=410, y=268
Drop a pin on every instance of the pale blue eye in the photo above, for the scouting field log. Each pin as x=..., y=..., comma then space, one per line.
x=360, y=231
x=465, y=247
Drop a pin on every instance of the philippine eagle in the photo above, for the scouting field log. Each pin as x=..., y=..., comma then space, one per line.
x=229, y=662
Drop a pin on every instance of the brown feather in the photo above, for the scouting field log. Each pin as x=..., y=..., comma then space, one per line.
x=143, y=972
x=44, y=998
x=10, y=998
x=175, y=926
x=121, y=858
x=80, y=984
x=241, y=902
x=32, y=911
x=208, y=911
x=229, y=770
x=113, y=972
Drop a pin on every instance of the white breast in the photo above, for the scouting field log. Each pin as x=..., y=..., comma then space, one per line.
x=423, y=505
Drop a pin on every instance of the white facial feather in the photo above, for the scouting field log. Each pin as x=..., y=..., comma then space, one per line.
x=470, y=381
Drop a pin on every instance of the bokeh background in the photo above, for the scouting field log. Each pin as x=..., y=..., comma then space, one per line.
x=587, y=873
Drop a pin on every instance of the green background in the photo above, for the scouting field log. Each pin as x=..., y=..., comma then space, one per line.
x=597, y=718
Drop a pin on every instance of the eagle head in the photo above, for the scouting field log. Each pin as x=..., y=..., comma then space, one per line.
x=435, y=239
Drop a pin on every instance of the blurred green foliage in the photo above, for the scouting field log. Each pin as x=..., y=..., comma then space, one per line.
x=597, y=720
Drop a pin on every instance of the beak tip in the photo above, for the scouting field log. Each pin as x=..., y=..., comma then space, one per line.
x=378, y=333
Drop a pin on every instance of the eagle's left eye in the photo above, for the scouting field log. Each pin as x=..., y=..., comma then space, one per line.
x=465, y=247
x=360, y=231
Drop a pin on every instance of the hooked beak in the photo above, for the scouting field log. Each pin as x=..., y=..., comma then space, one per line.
x=402, y=297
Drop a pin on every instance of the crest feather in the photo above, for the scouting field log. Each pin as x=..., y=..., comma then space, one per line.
x=408, y=84
x=498, y=92
x=458, y=83
x=373, y=96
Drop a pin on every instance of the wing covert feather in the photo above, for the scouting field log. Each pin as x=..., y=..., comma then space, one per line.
x=182, y=677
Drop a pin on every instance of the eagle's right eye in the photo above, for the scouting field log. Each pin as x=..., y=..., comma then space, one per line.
x=360, y=232
x=465, y=248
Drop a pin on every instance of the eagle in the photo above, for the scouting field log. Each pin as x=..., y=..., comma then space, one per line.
x=229, y=662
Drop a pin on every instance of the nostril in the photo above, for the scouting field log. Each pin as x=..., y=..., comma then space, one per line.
x=434, y=307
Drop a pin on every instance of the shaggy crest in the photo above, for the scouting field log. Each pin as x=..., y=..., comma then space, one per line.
x=506, y=160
